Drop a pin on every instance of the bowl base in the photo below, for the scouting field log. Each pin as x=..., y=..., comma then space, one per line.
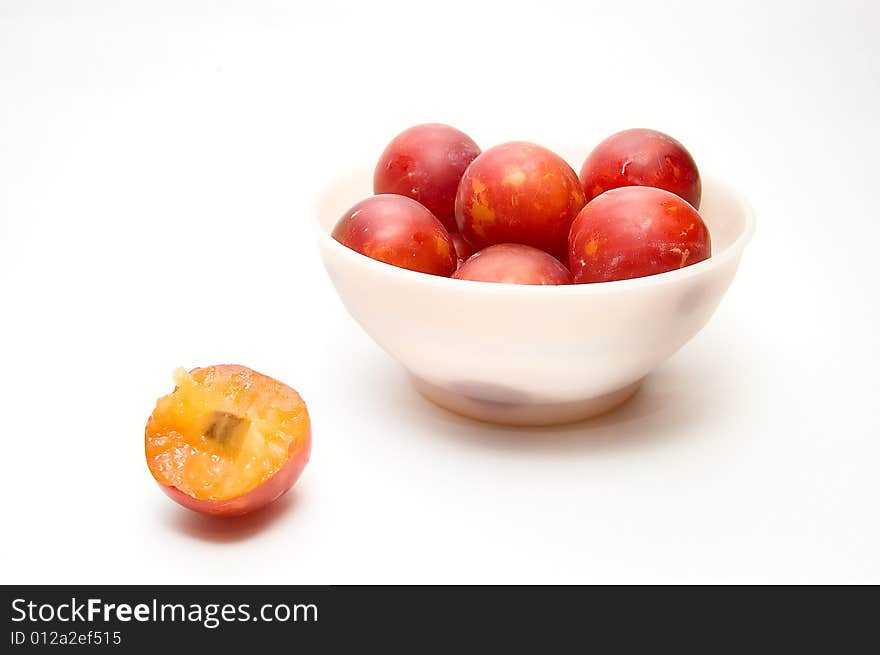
x=525, y=413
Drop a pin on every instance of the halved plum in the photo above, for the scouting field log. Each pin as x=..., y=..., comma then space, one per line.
x=227, y=440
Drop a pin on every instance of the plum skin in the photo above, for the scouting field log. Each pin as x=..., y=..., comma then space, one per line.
x=255, y=499
x=641, y=157
x=463, y=250
x=425, y=163
x=513, y=263
x=518, y=192
x=635, y=231
x=399, y=231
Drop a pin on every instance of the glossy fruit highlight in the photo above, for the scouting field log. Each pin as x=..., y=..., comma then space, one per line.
x=513, y=263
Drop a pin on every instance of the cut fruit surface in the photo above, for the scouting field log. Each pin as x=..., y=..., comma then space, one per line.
x=224, y=433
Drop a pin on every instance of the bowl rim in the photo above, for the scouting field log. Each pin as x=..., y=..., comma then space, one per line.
x=735, y=249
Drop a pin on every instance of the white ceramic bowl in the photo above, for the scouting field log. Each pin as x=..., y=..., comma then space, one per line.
x=532, y=355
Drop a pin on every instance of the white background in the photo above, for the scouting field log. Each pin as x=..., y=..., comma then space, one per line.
x=159, y=162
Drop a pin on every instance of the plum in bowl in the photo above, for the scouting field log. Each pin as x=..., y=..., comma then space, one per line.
x=531, y=354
